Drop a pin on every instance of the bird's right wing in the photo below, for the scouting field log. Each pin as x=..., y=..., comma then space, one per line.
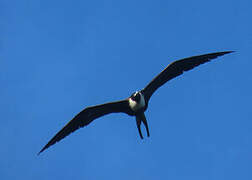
x=87, y=116
x=177, y=68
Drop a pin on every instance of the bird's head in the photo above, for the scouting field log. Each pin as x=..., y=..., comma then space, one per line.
x=136, y=96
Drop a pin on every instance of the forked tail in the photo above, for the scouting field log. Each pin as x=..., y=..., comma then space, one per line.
x=141, y=118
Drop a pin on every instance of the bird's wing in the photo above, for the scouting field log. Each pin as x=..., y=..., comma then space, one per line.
x=177, y=68
x=87, y=116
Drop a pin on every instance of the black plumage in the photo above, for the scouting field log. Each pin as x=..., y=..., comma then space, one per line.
x=137, y=103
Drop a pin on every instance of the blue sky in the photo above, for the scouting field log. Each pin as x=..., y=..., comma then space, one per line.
x=57, y=57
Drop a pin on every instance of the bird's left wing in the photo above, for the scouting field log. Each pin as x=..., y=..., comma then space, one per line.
x=177, y=68
x=87, y=116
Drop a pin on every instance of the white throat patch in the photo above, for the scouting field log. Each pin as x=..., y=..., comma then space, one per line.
x=136, y=106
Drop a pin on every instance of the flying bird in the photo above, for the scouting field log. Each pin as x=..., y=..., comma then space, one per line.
x=137, y=103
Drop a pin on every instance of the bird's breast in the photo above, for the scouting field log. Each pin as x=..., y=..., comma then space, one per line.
x=136, y=106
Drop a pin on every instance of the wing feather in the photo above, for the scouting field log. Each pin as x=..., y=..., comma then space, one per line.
x=87, y=116
x=177, y=68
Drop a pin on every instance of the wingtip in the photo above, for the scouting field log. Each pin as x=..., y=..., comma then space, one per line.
x=44, y=148
x=223, y=53
x=39, y=152
x=227, y=52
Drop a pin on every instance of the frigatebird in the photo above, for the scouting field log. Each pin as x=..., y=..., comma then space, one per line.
x=137, y=103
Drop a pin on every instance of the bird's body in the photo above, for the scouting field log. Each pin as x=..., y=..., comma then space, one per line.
x=137, y=103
